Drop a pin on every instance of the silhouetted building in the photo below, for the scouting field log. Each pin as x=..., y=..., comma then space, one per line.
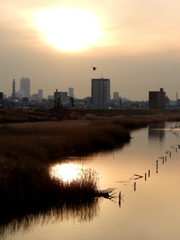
x=61, y=95
x=20, y=94
x=25, y=99
x=25, y=86
x=40, y=94
x=87, y=101
x=157, y=99
x=100, y=93
x=51, y=97
x=71, y=92
x=1, y=95
x=35, y=97
x=116, y=96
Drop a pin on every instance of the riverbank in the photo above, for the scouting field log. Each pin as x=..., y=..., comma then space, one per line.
x=44, y=115
x=27, y=149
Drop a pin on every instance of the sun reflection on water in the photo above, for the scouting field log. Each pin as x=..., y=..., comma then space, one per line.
x=66, y=171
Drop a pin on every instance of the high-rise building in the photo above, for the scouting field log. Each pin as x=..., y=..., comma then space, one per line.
x=100, y=93
x=25, y=86
x=1, y=96
x=13, y=90
x=116, y=96
x=157, y=99
x=71, y=92
x=40, y=94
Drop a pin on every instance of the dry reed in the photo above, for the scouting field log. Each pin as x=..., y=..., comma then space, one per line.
x=27, y=149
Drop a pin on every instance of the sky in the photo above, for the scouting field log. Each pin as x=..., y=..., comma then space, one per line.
x=134, y=43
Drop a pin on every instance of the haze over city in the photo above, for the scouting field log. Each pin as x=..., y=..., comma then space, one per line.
x=135, y=44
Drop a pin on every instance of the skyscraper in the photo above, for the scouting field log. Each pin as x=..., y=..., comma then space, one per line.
x=157, y=99
x=71, y=92
x=116, y=96
x=25, y=86
x=40, y=94
x=100, y=93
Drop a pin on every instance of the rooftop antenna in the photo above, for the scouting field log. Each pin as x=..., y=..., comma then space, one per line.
x=13, y=89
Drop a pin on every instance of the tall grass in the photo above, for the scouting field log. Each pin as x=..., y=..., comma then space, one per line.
x=42, y=141
x=26, y=151
x=40, y=115
x=26, y=186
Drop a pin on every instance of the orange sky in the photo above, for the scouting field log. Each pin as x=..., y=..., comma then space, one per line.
x=134, y=43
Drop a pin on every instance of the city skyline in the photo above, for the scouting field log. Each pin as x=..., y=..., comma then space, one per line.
x=136, y=45
x=69, y=92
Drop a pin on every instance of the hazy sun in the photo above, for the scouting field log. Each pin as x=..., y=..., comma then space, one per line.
x=68, y=29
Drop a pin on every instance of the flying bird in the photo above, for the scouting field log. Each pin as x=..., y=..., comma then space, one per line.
x=94, y=68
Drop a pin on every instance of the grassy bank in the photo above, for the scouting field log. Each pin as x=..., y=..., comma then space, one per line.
x=28, y=191
x=27, y=186
x=27, y=149
x=41, y=141
x=43, y=115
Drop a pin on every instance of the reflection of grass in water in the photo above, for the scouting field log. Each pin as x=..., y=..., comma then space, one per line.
x=27, y=185
x=82, y=211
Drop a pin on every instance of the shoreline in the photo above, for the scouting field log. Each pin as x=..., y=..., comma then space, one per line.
x=26, y=150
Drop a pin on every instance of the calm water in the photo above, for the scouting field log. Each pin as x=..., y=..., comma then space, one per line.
x=151, y=211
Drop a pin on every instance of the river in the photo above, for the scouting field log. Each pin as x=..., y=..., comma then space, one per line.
x=146, y=172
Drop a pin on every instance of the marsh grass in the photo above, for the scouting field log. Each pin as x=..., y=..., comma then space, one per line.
x=27, y=150
x=41, y=115
x=42, y=141
x=26, y=186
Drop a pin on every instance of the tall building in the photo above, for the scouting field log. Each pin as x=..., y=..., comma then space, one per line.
x=40, y=94
x=157, y=99
x=25, y=86
x=116, y=96
x=1, y=96
x=13, y=90
x=71, y=92
x=100, y=93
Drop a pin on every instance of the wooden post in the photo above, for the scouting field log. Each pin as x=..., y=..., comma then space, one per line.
x=157, y=167
x=148, y=173
x=119, y=199
x=163, y=160
x=145, y=176
x=134, y=186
